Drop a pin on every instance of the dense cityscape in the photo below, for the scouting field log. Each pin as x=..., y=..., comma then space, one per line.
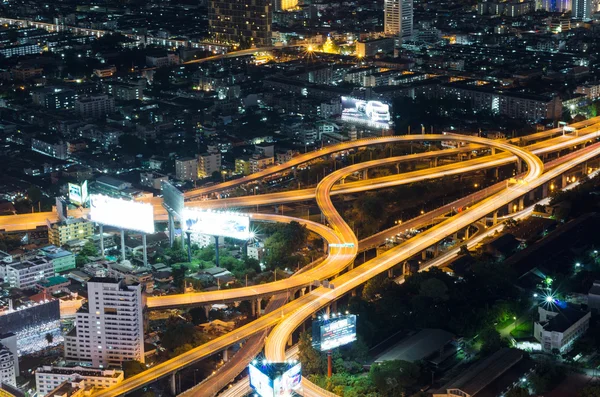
x=261, y=198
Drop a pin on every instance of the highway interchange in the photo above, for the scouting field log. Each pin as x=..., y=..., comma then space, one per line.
x=287, y=318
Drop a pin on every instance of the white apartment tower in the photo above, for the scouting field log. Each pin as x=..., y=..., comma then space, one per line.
x=582, y=9
x=110, y=328
x=398, y=18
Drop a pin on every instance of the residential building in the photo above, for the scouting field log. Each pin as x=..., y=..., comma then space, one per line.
x=259, y=163
x=110, y=328
x=19, y=50
x=161, y=60
x=246, y=22
x=208, y=163
x=47, y=378
x=153, y=179
x=60, y=233
x=54, y=98
x=398, y=18
x=559, y=327
x=61, y=259
x=26, y=274
x=285, y=5
x=283, y=156
x=186, y=169
x=95, y=106
x=53, y=284
x=591, y=91
x=57, y=150
x=9, y=360
x=242, y=165
x=256, y=251
x=125, y=91
x=368, y=48
x=594, y=296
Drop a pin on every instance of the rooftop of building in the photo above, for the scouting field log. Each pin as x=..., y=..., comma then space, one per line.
x=418, y=346
x=53, y=281
x=566, y=317
x=111, y=181
x=483, y=373
x=52, y=251
x=106, y=373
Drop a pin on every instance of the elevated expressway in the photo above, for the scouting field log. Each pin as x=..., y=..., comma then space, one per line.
x=295, y=311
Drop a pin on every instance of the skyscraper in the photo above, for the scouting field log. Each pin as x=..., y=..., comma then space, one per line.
x=398, y=18
x=243, y=22
x=582, y=9
x=110, y=328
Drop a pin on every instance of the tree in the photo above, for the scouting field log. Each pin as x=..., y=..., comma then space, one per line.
x=49, y=338
x=34, y=194
x=435, y=289
x=132, y=368
x=590, y=391
x=517, y=392
x=393, y=377
x=312, y=362
x=491, y=340
x=89, y=249
x=179, y=277
x=375, y=286
x=198, y=315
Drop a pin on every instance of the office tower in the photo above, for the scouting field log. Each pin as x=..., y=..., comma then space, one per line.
x=398, y=18
x=243, y=22
x=109, y=329
x=582, y=9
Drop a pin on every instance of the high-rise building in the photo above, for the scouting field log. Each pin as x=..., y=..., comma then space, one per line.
x=186, y=169
x=95, y=106
x=208, y=163
x=244, y=22
x=9, y=360
x=110, y=329
x=582, y=9
x=398, y=18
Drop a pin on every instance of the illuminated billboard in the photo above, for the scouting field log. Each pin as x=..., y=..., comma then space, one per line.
x=375, y=114
x=129, y=215
x=78, y=193
x=331, y=332
x=275, y=379
x=226, y=224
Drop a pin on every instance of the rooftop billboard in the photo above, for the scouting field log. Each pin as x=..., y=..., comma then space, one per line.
x=226, y=224
x=123, y=214
x=374, y=114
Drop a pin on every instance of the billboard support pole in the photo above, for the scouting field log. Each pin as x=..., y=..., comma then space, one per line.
x=189, y=249
x=217, y=250
x=123, y=244
x=171, y=228
x=145, y=249
x=101, y=240
x=329, y=366
x=182, y=238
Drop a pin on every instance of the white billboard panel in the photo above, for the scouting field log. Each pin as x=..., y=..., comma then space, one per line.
x=129, y=215
x=375, y=114
x=78, y=194
x=226, y=224
x=288, y=382
x=260, y=382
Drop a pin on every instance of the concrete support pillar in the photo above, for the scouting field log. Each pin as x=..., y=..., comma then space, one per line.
x=532, y=195
x=545, y=190
x=122, y=244
x=397, y=168
x=455, y=236
x=225, y=355
x=351, y=266
x=258, y=307
x=101, y=240
x=496, y=172
x=521, y=203
x=423, y=255
x=334, y=306
x=145, y=248
x=189, y=245
x=173, y=384
x=436, y=250
x=467, y=233
x=182, y=239
x=584, y=168
x=206, y=311
x=365, y=174
x=217, y=250
x=510, y=208
x=391, y=273
x=302, y=291
x=493, y=151
x=325, y=247
x=342, y=181
x=328, y=310
x=563, y=181
x=290, y=341
x=253, y=306
x=519, y=166
x=171, y=229
x=495, y=218
x=353, y=292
